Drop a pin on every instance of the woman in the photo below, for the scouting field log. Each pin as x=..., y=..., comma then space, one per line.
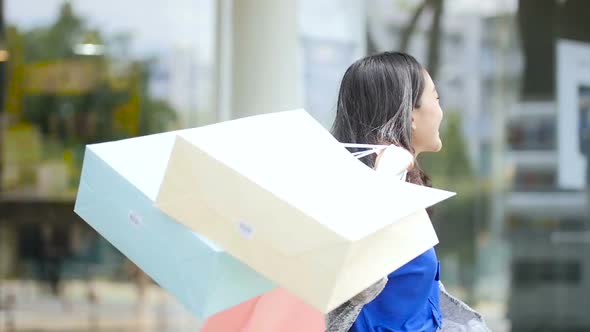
x=390, y=99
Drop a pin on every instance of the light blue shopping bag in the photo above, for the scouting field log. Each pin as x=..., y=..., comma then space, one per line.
x=119, y=183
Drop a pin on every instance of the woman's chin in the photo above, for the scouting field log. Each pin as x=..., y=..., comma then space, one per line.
x=434, y=147
x=437, y=146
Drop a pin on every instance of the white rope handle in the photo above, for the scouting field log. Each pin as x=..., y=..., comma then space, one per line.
x=365, y=153
x=363, y=146
x=370, y=149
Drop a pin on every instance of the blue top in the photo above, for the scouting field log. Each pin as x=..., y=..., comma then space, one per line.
x=409, y=301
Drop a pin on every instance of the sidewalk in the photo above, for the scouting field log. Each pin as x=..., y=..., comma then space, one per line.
x=114, y=308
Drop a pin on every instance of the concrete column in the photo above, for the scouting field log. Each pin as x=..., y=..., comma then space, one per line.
x=258, y=67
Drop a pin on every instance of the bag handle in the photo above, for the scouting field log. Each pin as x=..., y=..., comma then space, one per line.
x=368, y=149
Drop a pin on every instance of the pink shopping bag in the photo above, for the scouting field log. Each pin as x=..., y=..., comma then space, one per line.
x=274, y=311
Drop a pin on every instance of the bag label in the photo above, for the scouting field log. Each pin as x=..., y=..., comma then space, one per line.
x=245, y=230
x=135, y=218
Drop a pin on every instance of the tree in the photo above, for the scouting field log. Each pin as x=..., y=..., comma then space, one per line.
x=112, y=106
x=452, y=162
x=541, y=23
x=56, y=43
x=434, y=35
x=456, y=220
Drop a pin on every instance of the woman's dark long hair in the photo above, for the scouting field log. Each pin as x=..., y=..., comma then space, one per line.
x=377, y=96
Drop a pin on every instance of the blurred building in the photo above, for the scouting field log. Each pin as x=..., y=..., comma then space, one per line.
x=546, y=213
x=546, y=226
x=514, y=242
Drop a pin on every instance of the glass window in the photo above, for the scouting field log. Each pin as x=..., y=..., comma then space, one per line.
x=77, y=73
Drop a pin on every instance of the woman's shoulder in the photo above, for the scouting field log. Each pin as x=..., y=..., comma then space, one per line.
x=424, y=264
x=343, y=317
x=458, y=316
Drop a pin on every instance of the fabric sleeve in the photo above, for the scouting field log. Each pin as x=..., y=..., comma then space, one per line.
x=343, y=317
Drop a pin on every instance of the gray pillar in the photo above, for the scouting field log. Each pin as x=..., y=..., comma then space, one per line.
x=258, y=62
